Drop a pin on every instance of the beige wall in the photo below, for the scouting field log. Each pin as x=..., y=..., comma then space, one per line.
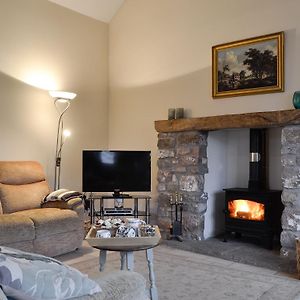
x=50, y=47
x=160, y=57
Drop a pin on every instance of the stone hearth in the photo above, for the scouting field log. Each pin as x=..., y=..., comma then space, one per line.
x=182, y=164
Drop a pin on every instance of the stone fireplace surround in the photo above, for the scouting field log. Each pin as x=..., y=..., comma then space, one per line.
x=182, y=164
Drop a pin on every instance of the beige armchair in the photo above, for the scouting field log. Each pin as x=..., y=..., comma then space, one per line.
x=50, y=229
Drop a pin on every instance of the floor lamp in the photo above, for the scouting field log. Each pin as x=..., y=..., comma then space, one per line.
x=62, y=102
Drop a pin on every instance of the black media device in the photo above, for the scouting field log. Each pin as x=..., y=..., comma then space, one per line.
x=116, y=171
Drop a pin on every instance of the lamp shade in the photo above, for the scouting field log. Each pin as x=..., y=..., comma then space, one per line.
x=62, y=95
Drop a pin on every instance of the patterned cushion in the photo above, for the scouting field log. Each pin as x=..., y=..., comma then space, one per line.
x=29, y=276
x=62, y=195
x=2, y=295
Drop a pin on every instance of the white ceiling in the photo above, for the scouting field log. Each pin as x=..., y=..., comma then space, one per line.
x=102, y=10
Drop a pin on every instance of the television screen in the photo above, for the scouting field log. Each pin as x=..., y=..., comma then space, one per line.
x=116, y=171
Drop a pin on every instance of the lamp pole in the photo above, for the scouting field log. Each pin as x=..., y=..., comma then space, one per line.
x=65, y=99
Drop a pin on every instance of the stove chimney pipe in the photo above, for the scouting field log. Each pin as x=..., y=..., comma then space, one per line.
x=257, y=164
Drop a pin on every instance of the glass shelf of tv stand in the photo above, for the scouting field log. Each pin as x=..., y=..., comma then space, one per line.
x=103, y=211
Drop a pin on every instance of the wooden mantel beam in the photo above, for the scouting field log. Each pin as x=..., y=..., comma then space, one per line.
x=248, y=120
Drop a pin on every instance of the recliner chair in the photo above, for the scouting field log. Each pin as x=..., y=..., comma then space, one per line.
x=51, y=228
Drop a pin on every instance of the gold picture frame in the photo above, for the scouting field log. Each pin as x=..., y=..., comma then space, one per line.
x=249, y=66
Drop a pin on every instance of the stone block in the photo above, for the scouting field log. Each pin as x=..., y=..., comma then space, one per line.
x=172, y=187
x=193, y=226
x=183, y=150
x=191, y=137
x=290, y=135
x=194, y=170
x=174, y=179
x=291, y=198
x=195, y=207
x=179, y=169
x=167, y=163
x=164, y=135
x=204, y=161
x=203, y=151
x=291, y=177
x=190, y=160
x=161, y=187
x=164, y=223
x=288, y=160
x=289, y=149
x=193, y=197
x=188, y=150
x=290, y=220
x=204, y=197
x=288, y=252
x=166, y=153
x=287, y=239
x=191, y=183
x=163, y=198
x=163, y=175
x=166, y=143
x=164, y=212
x=203, y=169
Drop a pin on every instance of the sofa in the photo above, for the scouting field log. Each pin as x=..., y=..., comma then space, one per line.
x=119, y=285
x=50, y=228
x=25, y=275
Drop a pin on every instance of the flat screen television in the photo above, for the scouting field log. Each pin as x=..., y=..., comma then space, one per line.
x=116, y=171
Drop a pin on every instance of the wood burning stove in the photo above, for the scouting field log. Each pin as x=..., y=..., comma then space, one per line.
x=254, y=211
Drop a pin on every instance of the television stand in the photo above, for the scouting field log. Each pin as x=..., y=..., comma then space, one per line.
x=98, y=207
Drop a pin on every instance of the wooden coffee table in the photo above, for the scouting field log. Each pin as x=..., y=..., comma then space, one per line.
x=126, y=247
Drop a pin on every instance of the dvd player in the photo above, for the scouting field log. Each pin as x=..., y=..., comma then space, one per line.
x=118, y=211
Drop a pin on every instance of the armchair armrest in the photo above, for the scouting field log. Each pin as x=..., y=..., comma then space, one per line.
x=75, y=204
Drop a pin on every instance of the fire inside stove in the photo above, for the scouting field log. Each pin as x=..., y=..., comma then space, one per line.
x=246, y=209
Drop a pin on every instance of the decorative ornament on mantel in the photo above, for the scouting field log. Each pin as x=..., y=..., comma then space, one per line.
x=296, y=99
x=175, y=113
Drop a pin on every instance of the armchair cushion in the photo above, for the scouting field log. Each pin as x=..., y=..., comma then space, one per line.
x=21, y=172
x=75, y=204
x=20, y=197
x=16, y=229
x=70, y=204
x=51, y=221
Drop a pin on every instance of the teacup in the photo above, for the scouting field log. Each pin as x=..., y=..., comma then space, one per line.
x=126, y=231
x=147, y=230
x=103, y=233
x=135, y=222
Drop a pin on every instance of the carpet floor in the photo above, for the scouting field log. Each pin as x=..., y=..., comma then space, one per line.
x=187, y=275
x=244, y=250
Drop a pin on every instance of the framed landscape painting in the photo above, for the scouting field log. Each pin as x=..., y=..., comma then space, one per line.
x=249, y=66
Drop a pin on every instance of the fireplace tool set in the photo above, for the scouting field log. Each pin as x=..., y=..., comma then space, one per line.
x=176, y=203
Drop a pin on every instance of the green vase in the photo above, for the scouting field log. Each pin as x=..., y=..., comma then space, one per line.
x=296, y=99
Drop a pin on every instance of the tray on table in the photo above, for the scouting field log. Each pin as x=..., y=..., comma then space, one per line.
x=123, y=243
